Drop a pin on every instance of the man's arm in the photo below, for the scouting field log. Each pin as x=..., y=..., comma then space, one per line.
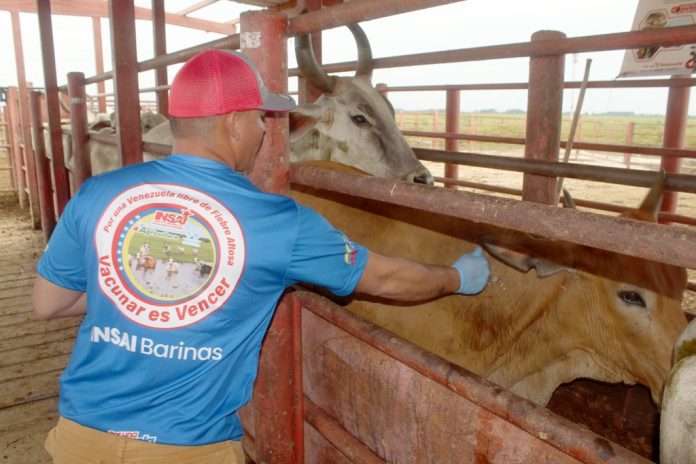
x=405, y=280
x=401, y=279
x=51, y=301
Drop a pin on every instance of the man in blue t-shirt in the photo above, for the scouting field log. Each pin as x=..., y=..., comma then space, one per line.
x=177, y=266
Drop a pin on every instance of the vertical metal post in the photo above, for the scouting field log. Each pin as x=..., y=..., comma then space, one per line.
x=43, y=169
x=263, y=39
x=125, y=69
x=13, y=127
x=81, y=162
x=307, y=92
x=452, y=126
x=544, y=109
x=278, y=391
x=676, y=121
x=60, y=175
x=8, y=140
x=99, y=61
x=630, y=129
x=160, y=41
x=24, y=122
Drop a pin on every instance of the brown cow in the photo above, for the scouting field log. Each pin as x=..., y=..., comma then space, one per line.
x=582, y=312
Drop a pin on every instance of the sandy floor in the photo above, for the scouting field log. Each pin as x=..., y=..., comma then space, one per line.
x=595, y=191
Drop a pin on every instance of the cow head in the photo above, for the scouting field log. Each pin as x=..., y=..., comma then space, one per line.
x=351, y=123
x=624, y=313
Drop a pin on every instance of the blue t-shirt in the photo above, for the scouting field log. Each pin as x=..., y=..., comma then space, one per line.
x=183, y=261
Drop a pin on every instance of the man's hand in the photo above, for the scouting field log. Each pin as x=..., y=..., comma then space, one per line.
x=474, y=272
x=51, y=301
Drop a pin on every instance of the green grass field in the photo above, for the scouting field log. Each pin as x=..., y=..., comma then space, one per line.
x=157, y=244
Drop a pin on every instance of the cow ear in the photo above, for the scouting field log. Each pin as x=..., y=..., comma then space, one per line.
x=303, y=119
x=523, y=262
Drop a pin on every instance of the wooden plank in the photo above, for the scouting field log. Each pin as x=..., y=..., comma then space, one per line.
x=57, y=335
x=21, y=282
x=25, y=416
x=27, y=389
x=14, y=292
x=32, y=353
x=36, y=327
x=32, y=368
x=15, y=305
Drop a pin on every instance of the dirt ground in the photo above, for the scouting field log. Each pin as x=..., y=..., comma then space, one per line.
x=595, y=191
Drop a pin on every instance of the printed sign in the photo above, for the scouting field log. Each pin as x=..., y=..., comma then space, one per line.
x=169, y=256
x=652, y=61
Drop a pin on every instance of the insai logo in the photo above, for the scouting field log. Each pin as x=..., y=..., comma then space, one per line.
x=172, y=219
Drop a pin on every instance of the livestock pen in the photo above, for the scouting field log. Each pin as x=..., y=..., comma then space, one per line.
x=374, y=397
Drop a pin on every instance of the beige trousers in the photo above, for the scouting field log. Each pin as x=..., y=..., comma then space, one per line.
x=72, y=443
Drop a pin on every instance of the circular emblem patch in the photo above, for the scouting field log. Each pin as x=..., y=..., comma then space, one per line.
x=169, y=256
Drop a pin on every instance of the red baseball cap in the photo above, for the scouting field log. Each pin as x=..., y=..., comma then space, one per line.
x=217, y=82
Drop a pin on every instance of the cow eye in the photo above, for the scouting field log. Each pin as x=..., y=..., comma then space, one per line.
x=359, y=119
x=632, y=298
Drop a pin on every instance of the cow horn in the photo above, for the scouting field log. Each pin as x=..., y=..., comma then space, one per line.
x=523, y=262
x=365, y=64
x=650, y=206
x=568, y=201
x=308, y=65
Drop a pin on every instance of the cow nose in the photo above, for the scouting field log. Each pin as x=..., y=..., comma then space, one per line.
x=422, y=176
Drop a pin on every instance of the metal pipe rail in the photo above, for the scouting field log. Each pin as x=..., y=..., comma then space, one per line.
x=673, y=182
x=662, y=216
x=607, y=147
x=654, y=242
x=534, y=419
x=594, y=43
x=636, y=83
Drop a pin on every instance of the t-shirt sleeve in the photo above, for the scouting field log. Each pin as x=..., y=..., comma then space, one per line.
x=63, y=262
x=324, y=256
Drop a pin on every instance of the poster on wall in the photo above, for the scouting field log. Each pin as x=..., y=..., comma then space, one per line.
x=657, y=61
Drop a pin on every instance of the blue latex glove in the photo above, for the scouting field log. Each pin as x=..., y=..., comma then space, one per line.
x=474, y=272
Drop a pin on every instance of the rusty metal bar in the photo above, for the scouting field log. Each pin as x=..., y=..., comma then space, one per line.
x=691, y=286
x=25, y=122
x=99, y=60
x=539, y=422
x=672, y=36
x=340, y=438
x=43, y=169
x=126, y=81
x=81, y=162
x=271, y=166
x=160, y=42
x=277, y=395
x=648, y=241
x=192, y=8
x=611, y=148
x=60, y=175
x=230, y=42
x=308, y=93
x=636, y=178
x=676, y=218
x=356, y=11
x=676, y=120
x=8, y=146
x=11, y=113
x=278, y=391
x=544, y=116
x=636, y=83
x=452, y=110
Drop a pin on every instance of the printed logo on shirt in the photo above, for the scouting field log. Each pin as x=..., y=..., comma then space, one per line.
x=169, y=256
x=351, y=253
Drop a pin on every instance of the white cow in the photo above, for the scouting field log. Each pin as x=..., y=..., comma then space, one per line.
x=678, y=421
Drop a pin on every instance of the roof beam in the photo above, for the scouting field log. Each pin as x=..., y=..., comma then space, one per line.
x=99, y=9
x=196, y=7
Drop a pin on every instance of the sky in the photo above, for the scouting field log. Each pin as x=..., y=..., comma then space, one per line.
x=464, y=24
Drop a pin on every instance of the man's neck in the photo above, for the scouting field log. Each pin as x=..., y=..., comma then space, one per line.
x=202, y=150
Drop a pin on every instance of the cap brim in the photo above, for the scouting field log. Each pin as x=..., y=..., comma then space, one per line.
x=276, y=102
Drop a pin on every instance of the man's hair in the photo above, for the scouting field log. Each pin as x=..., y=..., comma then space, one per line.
x=192, y=127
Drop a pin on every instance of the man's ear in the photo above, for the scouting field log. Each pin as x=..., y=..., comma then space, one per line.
x=231, y=124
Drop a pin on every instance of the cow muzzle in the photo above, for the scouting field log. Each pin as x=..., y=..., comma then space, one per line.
x=420, y=176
